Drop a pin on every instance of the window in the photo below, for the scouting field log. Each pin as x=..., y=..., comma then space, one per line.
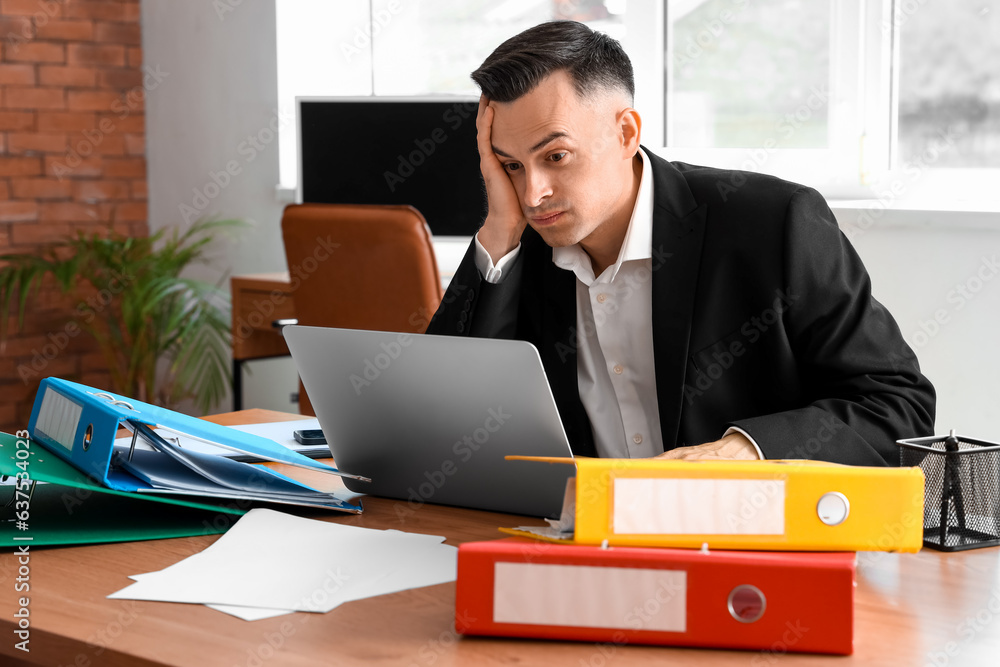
x=949, y=82
x=397, y=47
x=776, y=86
x=743, y=75
x=856, y=97
x=452, y=39
x=887, y=99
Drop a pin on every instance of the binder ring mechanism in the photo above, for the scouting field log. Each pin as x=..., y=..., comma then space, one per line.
x=32, y=483
x=13, y=496
x=114, y=401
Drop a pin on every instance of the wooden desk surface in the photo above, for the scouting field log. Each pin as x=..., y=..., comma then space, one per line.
x=911, y=609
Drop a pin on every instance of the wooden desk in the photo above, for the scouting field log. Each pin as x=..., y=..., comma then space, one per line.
x=258, y=299
x=911, y=609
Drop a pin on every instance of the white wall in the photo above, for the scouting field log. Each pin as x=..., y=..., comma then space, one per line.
x=221, y=91
x=939, y=274
x=222, y=88
x=219, y=97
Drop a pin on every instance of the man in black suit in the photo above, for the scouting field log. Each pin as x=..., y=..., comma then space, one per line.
x=679, y=311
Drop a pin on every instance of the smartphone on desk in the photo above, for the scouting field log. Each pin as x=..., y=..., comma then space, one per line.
x=310, y=437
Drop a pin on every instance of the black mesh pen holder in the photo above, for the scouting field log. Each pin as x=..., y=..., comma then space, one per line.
x=961, y=490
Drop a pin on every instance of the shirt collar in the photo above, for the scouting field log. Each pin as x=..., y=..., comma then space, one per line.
x=638, y=241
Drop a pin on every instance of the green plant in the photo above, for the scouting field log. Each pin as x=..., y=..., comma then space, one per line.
x=133, y=300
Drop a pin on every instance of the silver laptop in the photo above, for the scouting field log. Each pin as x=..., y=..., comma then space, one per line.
x=429, y=419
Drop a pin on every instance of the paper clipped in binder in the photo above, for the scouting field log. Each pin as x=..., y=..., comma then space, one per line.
x=803, y=602
x=80, y=423
x=758, y=505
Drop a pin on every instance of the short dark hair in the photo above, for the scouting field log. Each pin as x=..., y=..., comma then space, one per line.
x=592, y=59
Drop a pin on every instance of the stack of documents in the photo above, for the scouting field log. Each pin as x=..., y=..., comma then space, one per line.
x=620, y=542
x=281, y=432
x=271, y=563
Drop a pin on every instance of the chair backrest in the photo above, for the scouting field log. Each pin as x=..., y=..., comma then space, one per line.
x=357, y=266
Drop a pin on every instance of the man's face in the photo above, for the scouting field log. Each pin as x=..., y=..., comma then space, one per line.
x=565, y=157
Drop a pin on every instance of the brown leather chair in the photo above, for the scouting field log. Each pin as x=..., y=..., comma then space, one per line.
x=358, y=266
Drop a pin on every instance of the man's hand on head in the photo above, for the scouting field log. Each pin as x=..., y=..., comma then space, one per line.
x=734, y=446
x=505, y=221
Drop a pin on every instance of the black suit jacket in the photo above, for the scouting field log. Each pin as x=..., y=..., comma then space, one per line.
x=762, y=317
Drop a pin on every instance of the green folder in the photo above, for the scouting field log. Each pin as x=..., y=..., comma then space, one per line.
x=67, y=507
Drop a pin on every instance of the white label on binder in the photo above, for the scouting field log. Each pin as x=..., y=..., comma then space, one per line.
x=657, y=506
x=585, y=596
x=58, y=418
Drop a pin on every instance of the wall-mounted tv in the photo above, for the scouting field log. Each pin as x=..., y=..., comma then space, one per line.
x=394, y=150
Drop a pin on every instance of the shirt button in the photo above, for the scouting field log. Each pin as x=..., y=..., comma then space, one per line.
x=637, y=438
x=618, y=369
x=601, y=298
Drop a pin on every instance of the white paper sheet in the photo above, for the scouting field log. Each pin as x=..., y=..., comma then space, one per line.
x=273, y=561
x=246, y=613
x=547, y=532
x=567, y=518
x=249, y=613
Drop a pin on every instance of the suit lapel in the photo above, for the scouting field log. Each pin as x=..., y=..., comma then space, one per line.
x=678, y=234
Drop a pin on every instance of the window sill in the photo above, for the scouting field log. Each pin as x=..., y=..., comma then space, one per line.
x=866, y=213
x=850, y=212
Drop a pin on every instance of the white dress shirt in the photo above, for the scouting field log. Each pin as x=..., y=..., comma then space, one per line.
x=614, y=326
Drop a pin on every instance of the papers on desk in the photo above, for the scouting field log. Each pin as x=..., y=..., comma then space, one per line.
x=280, y=432
x=271, y=563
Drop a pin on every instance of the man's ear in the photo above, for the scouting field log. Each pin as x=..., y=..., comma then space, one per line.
x=630, y=129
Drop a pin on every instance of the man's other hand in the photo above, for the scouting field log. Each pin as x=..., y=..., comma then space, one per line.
x=734, y=446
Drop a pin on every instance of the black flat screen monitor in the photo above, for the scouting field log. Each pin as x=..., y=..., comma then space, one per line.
x=385, y=150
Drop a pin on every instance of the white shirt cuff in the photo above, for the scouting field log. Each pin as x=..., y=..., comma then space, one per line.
x=490, y=272
x=735, y=429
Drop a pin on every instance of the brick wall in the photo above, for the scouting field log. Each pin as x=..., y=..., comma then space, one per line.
x=72, y=157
